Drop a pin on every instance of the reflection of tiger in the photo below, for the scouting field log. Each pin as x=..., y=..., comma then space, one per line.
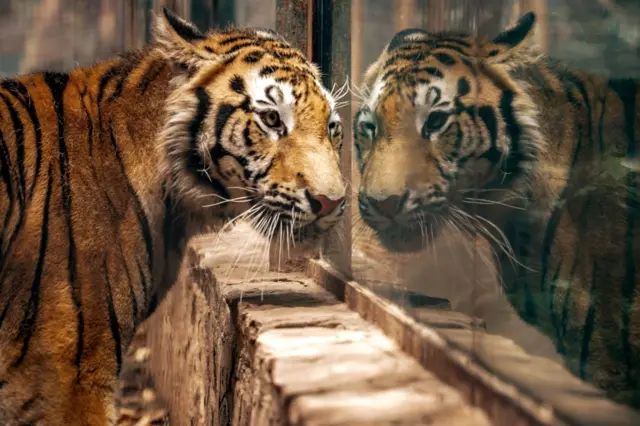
x=490, y=137
x=95, y=212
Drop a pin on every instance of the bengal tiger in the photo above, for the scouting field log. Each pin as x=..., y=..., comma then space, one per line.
x=104, y=175
x=489, y=137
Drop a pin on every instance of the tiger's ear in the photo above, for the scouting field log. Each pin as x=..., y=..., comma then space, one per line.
x=409, y=34
x=181, y=41
x=512, y=40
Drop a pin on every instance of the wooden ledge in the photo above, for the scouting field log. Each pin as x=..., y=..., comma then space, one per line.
x=492, y=372
x=311, y=348
x=280, y=350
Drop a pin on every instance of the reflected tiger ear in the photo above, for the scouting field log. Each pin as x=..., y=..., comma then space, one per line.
x=510, y=41
x=410, y=34
x=181, y=41
x=407, y=35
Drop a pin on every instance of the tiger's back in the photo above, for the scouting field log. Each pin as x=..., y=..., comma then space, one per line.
x=584, y=244
x=72, y=218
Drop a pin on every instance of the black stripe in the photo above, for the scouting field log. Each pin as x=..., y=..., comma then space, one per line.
x=626, y=89
x=153, y=71
x=456, y=46
x=57, y=84
x=21, y=187
x=455, y=40
x=233, y=39
x=269, y=69
x=5, y=172
x=113, y=318
x=27, y=325
x=90, y=134
x=488, y=117
x=18, y=129
x=240, y=46
x=446, y=59
x=589, y=324
x=20, y=92
x=253, y=57
x=516, y=155
x=578, y=83
x=237, y=84
x=409, y=56
x=143, y=221
x=262, y=174
x=26, y=406
x=102, y=86
x=225, y=111
x=552, y=312
x=144, y=284
x=124, y=71
x=463, y=87
x=132, y=293
x=195, y=161
x=550, y=232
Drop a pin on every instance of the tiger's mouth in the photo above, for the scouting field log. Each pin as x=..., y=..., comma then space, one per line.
x=402, y=239
x=280, y=225
x=411, y=233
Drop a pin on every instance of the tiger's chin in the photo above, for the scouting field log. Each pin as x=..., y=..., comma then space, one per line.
x=399, y=239
x=306, y=236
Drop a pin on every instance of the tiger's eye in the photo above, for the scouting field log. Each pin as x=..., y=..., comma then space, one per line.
x=368, y=129
x=435, y=122
x=335, y=128
x=271, y=118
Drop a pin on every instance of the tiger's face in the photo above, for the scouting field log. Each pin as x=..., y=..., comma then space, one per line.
x=442, y=118
x=251, y=130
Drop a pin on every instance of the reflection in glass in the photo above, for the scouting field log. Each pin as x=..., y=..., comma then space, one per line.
x=488, y=169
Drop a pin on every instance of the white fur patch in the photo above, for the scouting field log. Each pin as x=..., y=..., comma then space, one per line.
x=282, y=95
x=266, y=34
x=372, y=102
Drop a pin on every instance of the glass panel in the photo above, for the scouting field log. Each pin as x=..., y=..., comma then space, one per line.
x=498, y=179
x=489, y=182
x=332, y=36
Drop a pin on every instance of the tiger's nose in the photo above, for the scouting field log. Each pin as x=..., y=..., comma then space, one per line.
x=388, y=207
x=322, y=205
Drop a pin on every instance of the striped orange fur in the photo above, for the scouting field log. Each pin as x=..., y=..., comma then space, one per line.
x=104, y=172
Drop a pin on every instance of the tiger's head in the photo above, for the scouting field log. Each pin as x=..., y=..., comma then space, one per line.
x=443, y=117
x=250, y=129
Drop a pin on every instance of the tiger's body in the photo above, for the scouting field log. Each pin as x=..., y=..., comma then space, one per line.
x=103, y=174
x=494, y=139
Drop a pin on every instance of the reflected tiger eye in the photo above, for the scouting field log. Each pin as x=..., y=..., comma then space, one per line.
x=271, y=118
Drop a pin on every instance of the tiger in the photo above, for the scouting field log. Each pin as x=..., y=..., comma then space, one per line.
x=492, y=139
x=107, y=171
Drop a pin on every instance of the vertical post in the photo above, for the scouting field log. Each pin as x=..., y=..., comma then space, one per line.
x=405, y=14
x=293, y=19
x=322, y=29
x=332, y=39
x=294, y=22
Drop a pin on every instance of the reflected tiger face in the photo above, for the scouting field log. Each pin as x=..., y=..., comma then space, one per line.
x=441, y=119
